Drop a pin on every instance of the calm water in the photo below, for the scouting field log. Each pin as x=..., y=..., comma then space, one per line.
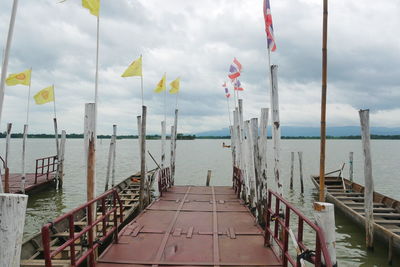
x=195, y=157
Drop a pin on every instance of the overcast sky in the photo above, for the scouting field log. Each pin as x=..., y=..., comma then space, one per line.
x=197, y=41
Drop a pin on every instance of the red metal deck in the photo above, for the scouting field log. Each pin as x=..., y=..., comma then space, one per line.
x=15, y=182
x=192, y=226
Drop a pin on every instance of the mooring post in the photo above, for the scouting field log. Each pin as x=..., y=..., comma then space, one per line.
x=262, y=149
x=276, y=134
x=142, y=158
x=62, y=158
x=291, y=169
x=300, y=153
x=7, y=173
x=324, y=214
x=12, y=220
x=163, y=139
x=257, y=167
x=249, y=164
x=208, y=178
x=351, y=154
x=369, y=183
x=111, y=156
x=90, y=148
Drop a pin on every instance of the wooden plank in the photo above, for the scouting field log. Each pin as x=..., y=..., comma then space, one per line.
x=387, y=221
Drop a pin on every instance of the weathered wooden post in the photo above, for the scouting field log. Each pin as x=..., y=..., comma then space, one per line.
x=369, y=183
x=291, y=169
x=90, y=148
x=7, y=170
x=300, y=153
x=250, y=164
x=262, y=150
x=163, y=139
x=142, y=158
x=110, y=156
x=257, y=166
x=12, y=220
x=351, y=154
x=324, y=214
x=208, y=178
x=276, y=133
x=62, y=158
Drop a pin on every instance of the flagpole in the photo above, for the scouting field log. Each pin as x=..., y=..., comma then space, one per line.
x=29, y=97
x=97, y=69
x=54, y=103
x=6, y=54
x=176, y=100
x=229, y=112
x=141, y=80
x=165, y=102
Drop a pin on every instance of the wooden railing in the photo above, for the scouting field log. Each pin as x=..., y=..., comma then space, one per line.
x=164, y=180
x=45, y=166
x=281, y=233
x=108, y=203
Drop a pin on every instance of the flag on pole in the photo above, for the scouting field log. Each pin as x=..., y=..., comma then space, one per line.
x=175, y=84
x=45, y=95
x=227, y=94
x=269, y=29
x=160, y=85
x=92, y=5
x=235, y=69
x=23, y=78
x=238, y=86
x=134, y=69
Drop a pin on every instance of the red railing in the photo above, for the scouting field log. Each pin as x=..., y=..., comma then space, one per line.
x=164, y=180
x=45, y=166
x=237, y=180
x=107, y=203
x=280, y=233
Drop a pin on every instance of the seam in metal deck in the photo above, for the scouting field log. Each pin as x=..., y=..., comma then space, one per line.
x=191, y=226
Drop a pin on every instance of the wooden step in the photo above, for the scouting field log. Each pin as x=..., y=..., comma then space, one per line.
x=376, y=209
x=334, y=187
x=386, y=215
x=387, y=221
x=346, y=194
x=350, y=198
x=361, y=204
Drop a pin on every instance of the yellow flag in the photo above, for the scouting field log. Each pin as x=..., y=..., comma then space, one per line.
x=175, y=84
x=92, y=5
x=135, y=69
x=45, y=95
x=19, y=78
x=160, y=85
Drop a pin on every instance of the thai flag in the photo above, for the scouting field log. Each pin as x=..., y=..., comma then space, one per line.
x=227, y=94
x=238, y=86
x=235, y=69
x=269, y=29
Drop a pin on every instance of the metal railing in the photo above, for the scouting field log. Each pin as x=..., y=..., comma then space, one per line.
x=237, y=180
x=45, y=166
x=280, y=234
x=107, y=204
x=164, y=179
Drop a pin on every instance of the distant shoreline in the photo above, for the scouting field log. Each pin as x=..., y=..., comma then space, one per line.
x=192, y=137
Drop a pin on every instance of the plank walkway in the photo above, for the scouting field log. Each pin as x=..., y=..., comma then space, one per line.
x=15, y=182
x=192, y=226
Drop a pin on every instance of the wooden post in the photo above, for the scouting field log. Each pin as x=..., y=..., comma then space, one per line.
x=369, y=183
x=232, y=134
x=110, y=156
x=300, y=153
x=291, y=169
x=276, y=134
x=12, y=220
x=351, y=154
x=262, y=150
x=324, y=214
x=62, y=158
x=7, y=173
x=173, y=149
x=257, y=167
x=236, y=135
x=208, y=178
x=390, y=250
x=250, y=164
x=90, y=148
x=240, y=133
x=23, y=174
x=323, y=103
x=142, y=158
x=163, y=139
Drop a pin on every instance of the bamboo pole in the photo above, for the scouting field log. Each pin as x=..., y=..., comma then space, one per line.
x=6, y=54
x=163, y=142
x=62, y=158
x=323, y=104
x=351, y=154
x=276, y=134
x=12, y=220
x=291, y=169
x=90, y=147
x=173, y=155
x=23, y=176
x=301, y=171
x=369, y=183
x=142, y=158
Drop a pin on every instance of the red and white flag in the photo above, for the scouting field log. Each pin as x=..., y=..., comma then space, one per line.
x=235, y=69
x=269, y=29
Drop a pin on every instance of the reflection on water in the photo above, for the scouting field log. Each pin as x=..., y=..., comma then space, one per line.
x=195, y=157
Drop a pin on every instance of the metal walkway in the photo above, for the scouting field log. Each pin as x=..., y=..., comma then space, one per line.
x=192, y=226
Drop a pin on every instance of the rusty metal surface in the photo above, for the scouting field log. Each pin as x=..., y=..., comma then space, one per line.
x=15, y=182
x=191, y=226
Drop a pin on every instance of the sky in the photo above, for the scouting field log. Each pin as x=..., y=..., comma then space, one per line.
x=197, y=41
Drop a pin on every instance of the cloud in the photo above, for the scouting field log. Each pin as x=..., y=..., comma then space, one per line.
x=197, y=41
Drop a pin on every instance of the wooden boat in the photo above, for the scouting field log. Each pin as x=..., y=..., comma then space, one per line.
x=348, y=197
x=128, y=192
